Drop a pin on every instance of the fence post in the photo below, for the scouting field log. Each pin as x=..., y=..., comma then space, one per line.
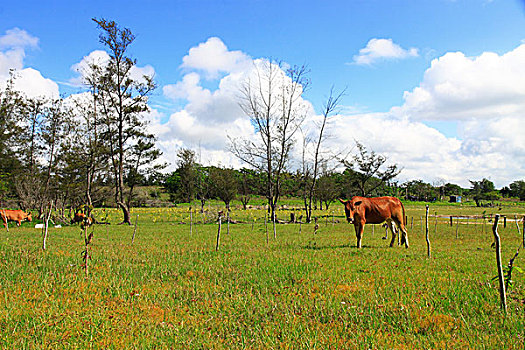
x=219, y=233
x=266, y=227
x=501, y=281
x=191, y=222
x=135, y=229
x=426, y=235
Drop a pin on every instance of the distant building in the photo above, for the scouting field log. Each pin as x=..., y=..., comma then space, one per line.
x=455, y=199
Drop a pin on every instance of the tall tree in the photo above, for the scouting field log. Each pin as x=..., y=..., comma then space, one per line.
x=28, y=183
x=123, y=99
x=272, y=99
x=10, y=128
x=52, y=132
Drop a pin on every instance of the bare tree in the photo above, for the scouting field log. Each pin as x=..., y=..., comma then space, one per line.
x=273, y=102
x=311, y=171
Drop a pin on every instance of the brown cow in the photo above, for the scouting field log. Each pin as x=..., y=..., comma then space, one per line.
x=79, y=217
x=14, y=215
x=362, y=210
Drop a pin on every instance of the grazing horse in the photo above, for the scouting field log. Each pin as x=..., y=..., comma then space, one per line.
x=360, y=210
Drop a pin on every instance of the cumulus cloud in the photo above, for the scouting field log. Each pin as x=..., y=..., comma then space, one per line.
x=457, y=87
x=382, y=49
x=17, y=38
x=12, y=49
x=13, y=46
x=33, y=84
x=213, y=57
x=485, y=96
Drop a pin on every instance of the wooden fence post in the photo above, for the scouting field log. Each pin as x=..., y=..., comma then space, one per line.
x=266, y=228
x=457, y=226
x=218, y=233
x=426, y=235
x=45, y=228
x=501, y=280
x=135, y=230
x=191, y=222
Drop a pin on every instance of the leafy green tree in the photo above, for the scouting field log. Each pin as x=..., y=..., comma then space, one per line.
x=141, y=155
x=224, y=185
x=327, y=190
x=420, y=190
x=187, y=171
x=248, y=184
x=370, y=170
x=517, y=189
x=10, y=127
x=483, y=190
x=452, y=189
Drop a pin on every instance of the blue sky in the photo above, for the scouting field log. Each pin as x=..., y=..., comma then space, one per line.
x=328, y=36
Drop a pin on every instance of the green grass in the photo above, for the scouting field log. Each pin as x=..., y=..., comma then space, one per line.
x=173, y=290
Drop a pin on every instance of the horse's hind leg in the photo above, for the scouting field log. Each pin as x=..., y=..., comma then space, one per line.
x=403, y=232
x=393, y=230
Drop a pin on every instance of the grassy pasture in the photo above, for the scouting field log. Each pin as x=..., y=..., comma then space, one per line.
x=171, y=289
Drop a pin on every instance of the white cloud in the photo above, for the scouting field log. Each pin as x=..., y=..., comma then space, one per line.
x=33, y=84
x=17, y=38
x=28, y=80
x=11, y=59
x=213, y=57
x=457, y=87
x=97, y=58
x=12, y=49
x=382, y=49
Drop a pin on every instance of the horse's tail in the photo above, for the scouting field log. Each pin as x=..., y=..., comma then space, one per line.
x=404, y=215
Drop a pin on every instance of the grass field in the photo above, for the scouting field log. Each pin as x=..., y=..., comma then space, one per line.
x=171, y=289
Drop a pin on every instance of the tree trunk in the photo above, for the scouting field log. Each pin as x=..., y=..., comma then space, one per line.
x=125, y=212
